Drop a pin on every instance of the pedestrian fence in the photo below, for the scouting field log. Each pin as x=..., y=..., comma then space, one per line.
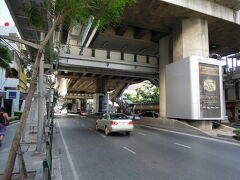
x=47, y=163
x=46, y=170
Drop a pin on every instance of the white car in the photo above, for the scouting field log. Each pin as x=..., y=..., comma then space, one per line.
x=114, y=122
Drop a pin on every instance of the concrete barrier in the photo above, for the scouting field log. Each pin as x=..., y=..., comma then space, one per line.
x=171, y=124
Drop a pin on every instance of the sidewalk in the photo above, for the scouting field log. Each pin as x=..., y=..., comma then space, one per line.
x=33, y=160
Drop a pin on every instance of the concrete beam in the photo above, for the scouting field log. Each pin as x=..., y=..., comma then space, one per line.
x=108, y=72
x=82, y=84
x=76, y=84
x=94, y=79
x=88, y=61
x=92, y=87
x=27, y=43
x=90, y=83
x=78, y=96
x=118, y=91
x=208, y=7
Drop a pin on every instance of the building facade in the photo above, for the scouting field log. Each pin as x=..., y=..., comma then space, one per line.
x=13, y=83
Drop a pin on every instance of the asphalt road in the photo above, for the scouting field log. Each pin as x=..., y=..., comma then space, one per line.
x=147, y=154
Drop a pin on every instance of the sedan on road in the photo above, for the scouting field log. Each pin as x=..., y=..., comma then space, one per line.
x=115, y=122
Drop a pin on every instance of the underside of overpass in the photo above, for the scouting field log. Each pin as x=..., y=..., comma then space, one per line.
x=134, y=49
x=144, y=23
x=86, y=83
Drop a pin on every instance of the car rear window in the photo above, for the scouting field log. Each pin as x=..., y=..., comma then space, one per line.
x=118, y=116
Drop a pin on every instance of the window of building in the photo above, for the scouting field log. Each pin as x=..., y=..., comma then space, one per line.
x=12, y=73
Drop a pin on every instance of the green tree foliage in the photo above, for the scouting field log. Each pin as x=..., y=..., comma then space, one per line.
x=103, y=12
x=146, y=93
x=5, y=57
x=50, y=56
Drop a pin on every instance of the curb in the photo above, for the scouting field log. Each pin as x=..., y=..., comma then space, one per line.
x=13, y=122
x=226, y=139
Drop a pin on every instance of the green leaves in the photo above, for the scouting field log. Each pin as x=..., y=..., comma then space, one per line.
x=103, y=12
x=50, y=56
x=5, y=57
x=237, y=131
x=37, y=15
x=147, y=93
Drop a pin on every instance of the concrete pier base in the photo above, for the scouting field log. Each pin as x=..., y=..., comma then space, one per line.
x=203, y=125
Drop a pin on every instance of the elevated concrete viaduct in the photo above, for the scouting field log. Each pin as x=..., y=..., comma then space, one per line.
x=150, y=35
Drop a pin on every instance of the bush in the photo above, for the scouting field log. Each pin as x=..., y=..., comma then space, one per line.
x=10, y=119
x=237, y=131
x=18, y=114
x=16, y=118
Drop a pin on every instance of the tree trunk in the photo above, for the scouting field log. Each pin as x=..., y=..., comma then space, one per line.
x=17, y=137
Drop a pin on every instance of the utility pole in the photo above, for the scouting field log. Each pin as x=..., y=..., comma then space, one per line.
x=40, y=103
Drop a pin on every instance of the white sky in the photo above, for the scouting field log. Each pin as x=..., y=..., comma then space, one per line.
x=5, y=15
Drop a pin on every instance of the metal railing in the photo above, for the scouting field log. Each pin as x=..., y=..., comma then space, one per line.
x=47, y=163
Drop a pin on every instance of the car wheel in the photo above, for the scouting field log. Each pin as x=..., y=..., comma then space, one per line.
x=97, y=127
x=106, y=131
x=128, y=133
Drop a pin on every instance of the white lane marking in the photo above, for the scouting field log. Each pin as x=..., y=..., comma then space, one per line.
x=129, y=150
x=142, y=134
x=103, y=136
x=183, y=145
x=192, y=135
x=75, y=175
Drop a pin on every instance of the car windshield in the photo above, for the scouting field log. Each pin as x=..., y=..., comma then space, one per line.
x=118, y=116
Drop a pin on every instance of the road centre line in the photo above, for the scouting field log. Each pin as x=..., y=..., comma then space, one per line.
x=141, y=133
x=75, y=175
x=183, y=145
x=129, y=150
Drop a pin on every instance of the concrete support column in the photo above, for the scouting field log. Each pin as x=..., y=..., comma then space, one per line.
x=101, y=86
x=83, y=105
x=78, y=104
x=190, y=38
x=164, y=59
x=203, y=125
x=100, y=98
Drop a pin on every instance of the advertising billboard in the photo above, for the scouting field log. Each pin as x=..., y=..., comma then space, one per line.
x=210, y=105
